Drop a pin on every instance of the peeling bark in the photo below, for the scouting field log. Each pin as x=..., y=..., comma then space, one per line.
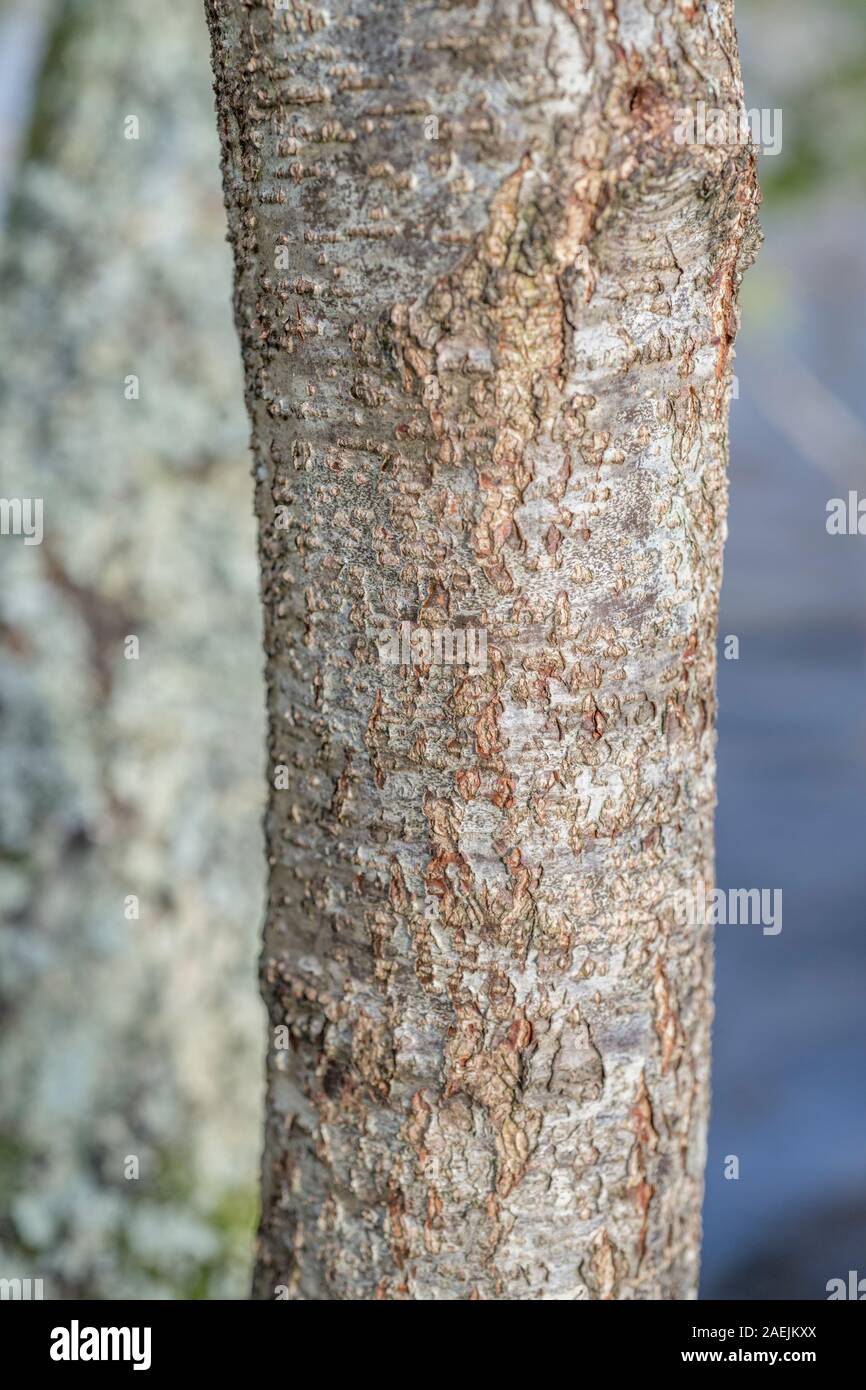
x=487, y=305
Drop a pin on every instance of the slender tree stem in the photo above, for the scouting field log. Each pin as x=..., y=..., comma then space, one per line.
x=486, y=296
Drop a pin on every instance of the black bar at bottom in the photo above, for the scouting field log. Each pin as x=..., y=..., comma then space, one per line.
x=158, y=1339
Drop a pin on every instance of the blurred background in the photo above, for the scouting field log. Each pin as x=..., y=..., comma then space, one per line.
x=789, y=1092
x=121, y=1037
x=131, y=1038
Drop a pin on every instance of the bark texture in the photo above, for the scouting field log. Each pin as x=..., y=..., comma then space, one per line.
x=487, y=304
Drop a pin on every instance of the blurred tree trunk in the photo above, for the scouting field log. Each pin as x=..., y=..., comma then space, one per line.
x=487, y=304
x=129, y=854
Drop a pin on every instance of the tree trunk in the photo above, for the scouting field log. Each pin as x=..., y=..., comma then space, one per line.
x=486, y=298
x=129, y=852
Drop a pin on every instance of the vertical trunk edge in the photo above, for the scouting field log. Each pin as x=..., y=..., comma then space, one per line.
x=486, y=294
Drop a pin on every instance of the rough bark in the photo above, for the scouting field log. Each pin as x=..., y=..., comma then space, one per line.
x=489, y=390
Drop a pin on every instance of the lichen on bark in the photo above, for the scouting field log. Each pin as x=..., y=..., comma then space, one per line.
x=487, y=303
x=126, y=1036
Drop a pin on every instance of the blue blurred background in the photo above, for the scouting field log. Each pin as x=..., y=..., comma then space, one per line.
x=789, y=1092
